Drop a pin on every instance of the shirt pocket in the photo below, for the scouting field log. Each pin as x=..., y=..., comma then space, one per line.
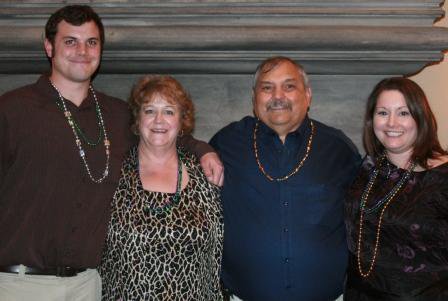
x=318, y=204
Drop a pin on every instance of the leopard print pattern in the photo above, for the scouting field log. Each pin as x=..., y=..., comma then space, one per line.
x=174, y=255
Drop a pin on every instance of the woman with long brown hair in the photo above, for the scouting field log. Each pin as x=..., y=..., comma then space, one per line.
x=397, y=208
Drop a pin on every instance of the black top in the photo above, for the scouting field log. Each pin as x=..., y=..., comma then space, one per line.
x=173, y=255
x=412, y=260
x=285, y=240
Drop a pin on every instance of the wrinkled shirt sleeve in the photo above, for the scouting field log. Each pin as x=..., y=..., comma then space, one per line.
x=194, y=146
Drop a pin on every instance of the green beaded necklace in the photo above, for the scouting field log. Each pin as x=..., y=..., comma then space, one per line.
x=174, y=200
x=384, y=202
x=81, y=133
x=78, y=142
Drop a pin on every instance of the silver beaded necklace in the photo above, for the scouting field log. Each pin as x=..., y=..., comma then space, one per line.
x=82, y=153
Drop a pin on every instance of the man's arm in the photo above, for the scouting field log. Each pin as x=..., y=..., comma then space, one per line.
x=209, y=159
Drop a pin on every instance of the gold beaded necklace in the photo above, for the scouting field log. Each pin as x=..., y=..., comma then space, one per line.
x=295, y=170
x=386, y=201
x=78, y=142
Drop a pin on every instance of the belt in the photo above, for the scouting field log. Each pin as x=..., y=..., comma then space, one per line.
x=57, y=271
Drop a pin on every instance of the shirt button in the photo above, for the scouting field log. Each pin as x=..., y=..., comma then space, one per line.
x=286, y=260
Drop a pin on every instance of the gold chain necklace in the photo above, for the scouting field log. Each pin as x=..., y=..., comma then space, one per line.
x=363, y=208
x=295, y=170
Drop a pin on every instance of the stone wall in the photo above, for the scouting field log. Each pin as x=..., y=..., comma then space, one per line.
x=213, y=47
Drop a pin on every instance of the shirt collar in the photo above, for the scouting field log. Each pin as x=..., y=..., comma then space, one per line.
x=50, y=95
x=302, y=131
x=48, y=92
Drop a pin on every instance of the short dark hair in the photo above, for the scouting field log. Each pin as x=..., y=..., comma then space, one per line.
x=272, y=62
x=75, y=15
x=427, y=145
x=171, y=90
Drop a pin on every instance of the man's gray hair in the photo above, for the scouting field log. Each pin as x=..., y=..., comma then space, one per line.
x=272, y=62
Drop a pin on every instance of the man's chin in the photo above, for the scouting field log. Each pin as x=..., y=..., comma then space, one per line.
x=279, y=116
x=82, y=78
x=83, y=74
x=275, y=122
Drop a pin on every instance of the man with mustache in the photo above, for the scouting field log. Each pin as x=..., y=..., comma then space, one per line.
x=61, y=148
x=286, y=175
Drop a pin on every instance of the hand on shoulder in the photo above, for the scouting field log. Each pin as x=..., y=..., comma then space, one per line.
x=213, y=168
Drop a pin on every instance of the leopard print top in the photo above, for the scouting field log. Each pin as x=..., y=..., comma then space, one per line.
x=174, y=255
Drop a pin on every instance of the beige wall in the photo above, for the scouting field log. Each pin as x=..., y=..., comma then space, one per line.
x=434, y=81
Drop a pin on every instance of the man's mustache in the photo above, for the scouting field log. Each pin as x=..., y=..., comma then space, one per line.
x=278, y=104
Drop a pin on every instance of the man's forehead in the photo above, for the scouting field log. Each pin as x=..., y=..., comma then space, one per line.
x=287, y=79
x=283, y=70
x=283, y=77
x=86, y=29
